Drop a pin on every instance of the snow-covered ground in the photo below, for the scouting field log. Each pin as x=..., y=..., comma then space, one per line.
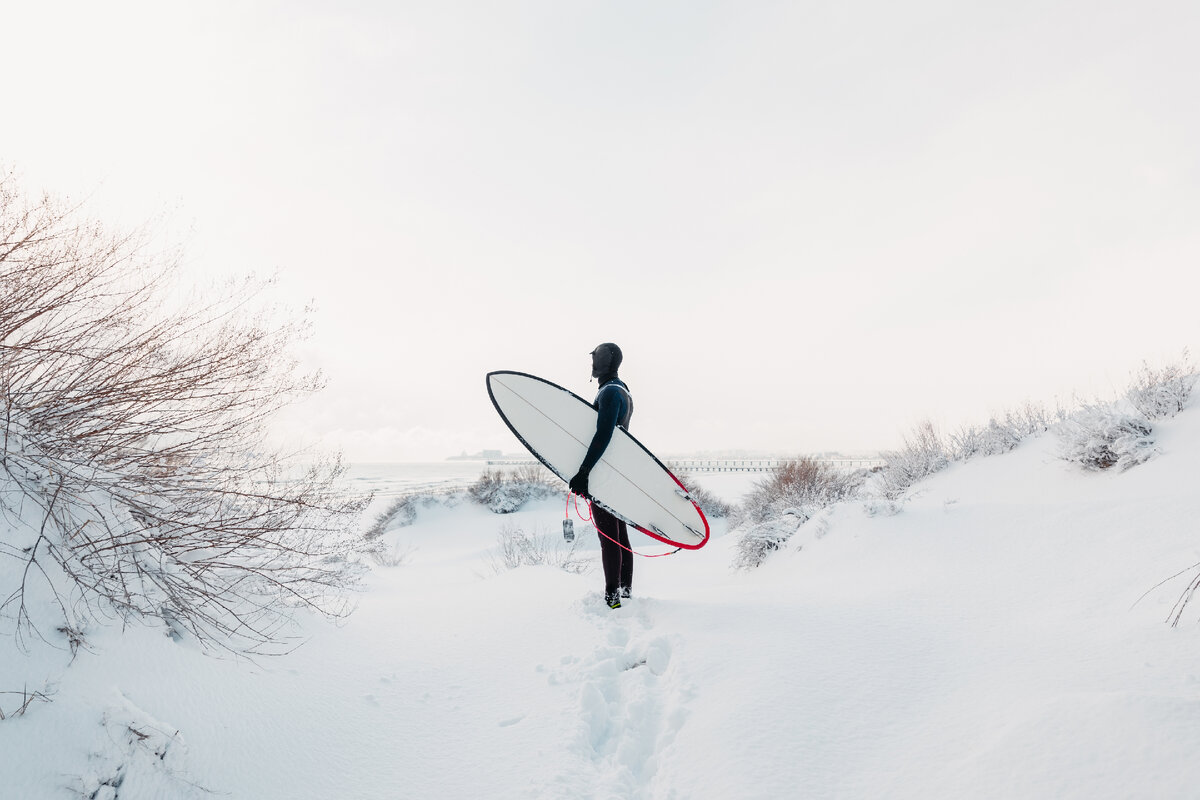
x=985, y=642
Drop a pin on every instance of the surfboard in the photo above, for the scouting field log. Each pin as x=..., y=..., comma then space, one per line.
x=556, y=426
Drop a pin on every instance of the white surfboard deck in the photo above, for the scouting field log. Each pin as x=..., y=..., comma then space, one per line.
x=557, y=425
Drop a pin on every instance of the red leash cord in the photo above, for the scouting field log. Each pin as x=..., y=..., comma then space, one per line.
x=591, y=518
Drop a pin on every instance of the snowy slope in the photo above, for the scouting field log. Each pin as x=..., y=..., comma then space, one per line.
x=984, y=642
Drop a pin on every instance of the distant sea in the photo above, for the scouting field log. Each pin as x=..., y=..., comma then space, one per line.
x=388, y=480
x=392, y=479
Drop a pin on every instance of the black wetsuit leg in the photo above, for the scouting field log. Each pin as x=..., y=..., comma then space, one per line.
x=618, y=561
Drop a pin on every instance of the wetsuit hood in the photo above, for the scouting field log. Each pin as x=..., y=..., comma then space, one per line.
x=606, y=360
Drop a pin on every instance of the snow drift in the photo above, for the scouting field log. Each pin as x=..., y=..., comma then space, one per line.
x=1004, y=635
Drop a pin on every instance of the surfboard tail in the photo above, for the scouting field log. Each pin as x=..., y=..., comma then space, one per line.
x=701, y=537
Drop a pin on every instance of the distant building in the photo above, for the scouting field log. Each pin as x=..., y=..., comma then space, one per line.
x=483, y=455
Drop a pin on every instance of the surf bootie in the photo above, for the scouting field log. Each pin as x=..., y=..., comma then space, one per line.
x=613, y=599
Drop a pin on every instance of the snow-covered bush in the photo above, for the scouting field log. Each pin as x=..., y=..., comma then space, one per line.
x=517, y=548
x=992, y=439
x=1097, y=436
x=136, y=750
x=1001, y=434
x=1102, y=436
x=759, y=540
x=797, y=487
x=394, y=556
x=923, y=454
x=1163, y=392
x=505, y=492
x=502, y=492
x=402, y=511
x=134, y=469
x=795, y=490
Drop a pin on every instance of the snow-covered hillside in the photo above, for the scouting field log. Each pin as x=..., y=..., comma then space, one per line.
x=987, y=641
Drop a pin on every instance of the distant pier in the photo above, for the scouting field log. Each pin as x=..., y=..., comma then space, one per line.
x=724, y=464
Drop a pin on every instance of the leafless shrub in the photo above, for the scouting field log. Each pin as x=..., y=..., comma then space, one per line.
x=75, y=638
x=135, y=429
x=797, y=487
x=19, y=702
x=1185, y=597
x=517, y=548
x=1160, y=393
x=1002, y=433
x=923, y=454
x=488, y=482
x=534, y=475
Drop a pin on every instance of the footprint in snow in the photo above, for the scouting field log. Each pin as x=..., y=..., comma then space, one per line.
x=658, y=655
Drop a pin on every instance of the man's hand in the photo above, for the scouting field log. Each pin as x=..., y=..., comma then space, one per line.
x=579, y=484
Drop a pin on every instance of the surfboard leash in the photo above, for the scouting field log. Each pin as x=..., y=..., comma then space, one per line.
x=591, y=518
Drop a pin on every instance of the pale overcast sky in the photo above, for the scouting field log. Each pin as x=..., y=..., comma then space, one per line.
x=809, y=225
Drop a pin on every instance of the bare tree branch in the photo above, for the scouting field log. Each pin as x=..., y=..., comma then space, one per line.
x=138, y=430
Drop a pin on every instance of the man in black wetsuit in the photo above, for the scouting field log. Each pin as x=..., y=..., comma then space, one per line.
x=615, y=406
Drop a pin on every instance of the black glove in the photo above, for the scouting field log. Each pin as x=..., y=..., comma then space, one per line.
x=579, y=484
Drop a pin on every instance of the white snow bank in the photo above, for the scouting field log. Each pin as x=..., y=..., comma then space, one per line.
x=984, y=642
